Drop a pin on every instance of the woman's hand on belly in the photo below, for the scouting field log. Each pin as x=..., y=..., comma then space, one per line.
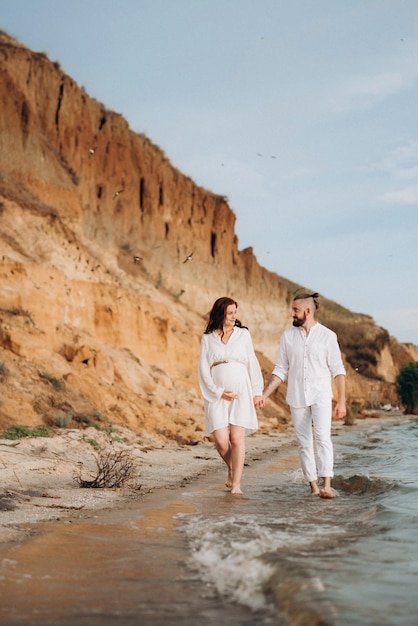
x=229, y=395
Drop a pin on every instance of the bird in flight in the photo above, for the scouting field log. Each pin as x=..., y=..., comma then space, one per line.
x=117, y=193
x=189, y=257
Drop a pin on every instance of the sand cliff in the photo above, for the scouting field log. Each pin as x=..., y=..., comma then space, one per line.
x=100, y=315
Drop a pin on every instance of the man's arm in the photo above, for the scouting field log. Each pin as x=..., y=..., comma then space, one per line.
x=281, y=366
x=340, y=408
x=272, y=385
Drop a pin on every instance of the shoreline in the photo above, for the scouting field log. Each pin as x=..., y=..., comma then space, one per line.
x=39, y=475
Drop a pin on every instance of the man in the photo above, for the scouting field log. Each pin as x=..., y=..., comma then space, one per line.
x=308, y=355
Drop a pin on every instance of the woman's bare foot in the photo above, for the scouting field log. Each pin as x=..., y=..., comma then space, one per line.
x=229, y=479
x=236, y=491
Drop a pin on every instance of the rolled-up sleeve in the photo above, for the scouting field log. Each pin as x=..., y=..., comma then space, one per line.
x=335, y=362
x=281, y=368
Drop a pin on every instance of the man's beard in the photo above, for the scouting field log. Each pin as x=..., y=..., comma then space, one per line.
x=299, y=322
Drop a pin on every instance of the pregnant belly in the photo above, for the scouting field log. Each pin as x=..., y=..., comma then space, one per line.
x=231, y=376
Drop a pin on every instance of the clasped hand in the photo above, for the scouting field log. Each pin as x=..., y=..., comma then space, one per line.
x=259, y=402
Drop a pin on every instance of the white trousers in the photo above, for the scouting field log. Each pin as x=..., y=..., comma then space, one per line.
x=309, y=422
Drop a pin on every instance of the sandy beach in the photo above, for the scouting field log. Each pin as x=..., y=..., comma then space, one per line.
x=40, y=475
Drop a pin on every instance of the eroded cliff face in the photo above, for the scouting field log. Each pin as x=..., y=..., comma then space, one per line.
x=101, y=316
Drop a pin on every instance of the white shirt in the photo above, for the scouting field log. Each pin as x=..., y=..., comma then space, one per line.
x=308, y=361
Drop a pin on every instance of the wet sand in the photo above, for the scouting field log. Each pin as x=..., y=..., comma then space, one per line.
x=94, y=556
x=115, y=568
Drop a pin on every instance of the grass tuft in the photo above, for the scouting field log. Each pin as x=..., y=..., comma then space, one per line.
x=55, y=382
x=20, y=431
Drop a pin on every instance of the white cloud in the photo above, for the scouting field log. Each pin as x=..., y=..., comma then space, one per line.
x=402, y=162
x=406, y=152
x=363, y=92
x=408, y=173
x=405, y=197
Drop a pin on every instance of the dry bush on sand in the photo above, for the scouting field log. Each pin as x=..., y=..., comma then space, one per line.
x=114, y=469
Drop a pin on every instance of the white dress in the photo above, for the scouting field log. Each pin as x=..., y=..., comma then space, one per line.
x=241, y=375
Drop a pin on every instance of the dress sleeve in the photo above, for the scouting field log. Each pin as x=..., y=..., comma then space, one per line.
x=210, y=391
x=254, y=370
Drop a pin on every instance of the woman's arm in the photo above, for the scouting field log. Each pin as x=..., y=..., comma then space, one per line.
x=209, y=390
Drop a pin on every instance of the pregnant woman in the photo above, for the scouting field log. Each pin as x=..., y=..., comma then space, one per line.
x=231, y=383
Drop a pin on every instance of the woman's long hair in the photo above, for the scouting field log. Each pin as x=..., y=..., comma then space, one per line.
x=218, y=313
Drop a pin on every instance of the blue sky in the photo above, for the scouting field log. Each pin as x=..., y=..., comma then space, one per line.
x=303, y=113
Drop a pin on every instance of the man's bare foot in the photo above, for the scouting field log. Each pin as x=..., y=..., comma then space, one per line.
x=327, y=493
x=314, y=488
x=236, y=491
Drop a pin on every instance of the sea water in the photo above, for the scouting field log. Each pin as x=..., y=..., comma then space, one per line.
x=295, y=559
